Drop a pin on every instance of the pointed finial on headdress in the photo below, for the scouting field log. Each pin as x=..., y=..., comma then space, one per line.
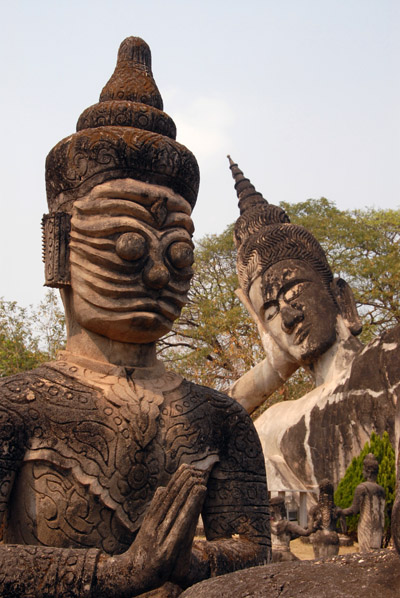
x=255, y=212
x=132, y=79
x=246, y=192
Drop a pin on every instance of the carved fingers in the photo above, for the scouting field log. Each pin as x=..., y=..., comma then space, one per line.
x=169, y=524
x=174, y=507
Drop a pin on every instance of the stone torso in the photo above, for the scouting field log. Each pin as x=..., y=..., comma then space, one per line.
x=372, y=516
x=316, y=436
x=83, y=453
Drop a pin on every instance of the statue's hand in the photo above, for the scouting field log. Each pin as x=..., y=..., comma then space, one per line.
x=169, y=523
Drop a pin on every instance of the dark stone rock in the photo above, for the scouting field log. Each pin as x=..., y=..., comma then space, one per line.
x=367, y=575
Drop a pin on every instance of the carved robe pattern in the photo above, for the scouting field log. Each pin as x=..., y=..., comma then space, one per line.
x=80, y=461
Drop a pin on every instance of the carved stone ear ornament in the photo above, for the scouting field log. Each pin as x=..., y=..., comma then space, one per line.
x=55, y=237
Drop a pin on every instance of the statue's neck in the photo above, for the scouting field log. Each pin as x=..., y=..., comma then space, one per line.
x=338, y=357
x=90, y=345
x=83, y=343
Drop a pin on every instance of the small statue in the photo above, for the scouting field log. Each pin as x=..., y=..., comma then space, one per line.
x=322, y=521
x=395, y=526
x=106, y=459
x=307, y=318
x=369, y=501
x=283, y=531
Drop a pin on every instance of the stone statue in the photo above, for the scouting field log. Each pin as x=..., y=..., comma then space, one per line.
x=395, y=525
x=307, y=318
x=283, y=531
x=322, y=521
x=369, y=501
x=106, y=459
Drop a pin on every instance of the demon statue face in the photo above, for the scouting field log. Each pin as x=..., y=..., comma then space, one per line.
x=120, y=194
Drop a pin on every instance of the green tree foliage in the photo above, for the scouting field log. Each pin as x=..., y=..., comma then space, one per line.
x=49, y=322
x=383, y=451
x=29, y=336
x=18, y=347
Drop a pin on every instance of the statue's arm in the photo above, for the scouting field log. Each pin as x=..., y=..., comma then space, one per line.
x=296, y=530
x=355, y=506
x=39, y=571
x=32, y=570
x=313, y=519
x=169, y=523
x=236, y=511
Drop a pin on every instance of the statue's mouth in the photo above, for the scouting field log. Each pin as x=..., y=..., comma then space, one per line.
x=168, y=306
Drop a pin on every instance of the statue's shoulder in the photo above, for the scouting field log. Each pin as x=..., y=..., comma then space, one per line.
x=392, y=336
x=45, y=384
x=20, y=387
x=214, y=399
x=377, y=363
x=388, y=341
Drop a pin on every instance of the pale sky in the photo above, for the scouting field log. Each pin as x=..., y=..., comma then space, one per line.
x=304, y=94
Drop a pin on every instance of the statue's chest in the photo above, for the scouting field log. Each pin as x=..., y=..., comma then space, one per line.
x=121, y=443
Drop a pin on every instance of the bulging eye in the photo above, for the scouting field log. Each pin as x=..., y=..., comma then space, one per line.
x=181, y=254
x=131, y=246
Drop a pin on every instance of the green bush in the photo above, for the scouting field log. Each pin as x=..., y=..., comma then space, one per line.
x=383, y=451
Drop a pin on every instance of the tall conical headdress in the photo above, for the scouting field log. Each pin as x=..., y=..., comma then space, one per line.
x=125, y=135
x=264, y=236
x=255, y=211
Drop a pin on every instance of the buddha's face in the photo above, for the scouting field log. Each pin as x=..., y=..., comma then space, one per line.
x=296, y=309
x=131, y=255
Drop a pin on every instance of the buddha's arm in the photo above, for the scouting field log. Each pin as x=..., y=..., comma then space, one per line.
x=256, y=385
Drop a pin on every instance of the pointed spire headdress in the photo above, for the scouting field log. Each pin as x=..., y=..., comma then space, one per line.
x=264, y=236
x=126, y=134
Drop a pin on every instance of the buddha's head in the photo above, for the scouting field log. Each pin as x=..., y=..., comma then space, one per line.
x=120, y=191
x=284, y=272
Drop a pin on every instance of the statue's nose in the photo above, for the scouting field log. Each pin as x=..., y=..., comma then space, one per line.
x=290, y=317
x=156, y=276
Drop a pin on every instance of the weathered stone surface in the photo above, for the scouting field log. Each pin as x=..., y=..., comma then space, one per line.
x=322, y=521
x=396, y=506
x=307, y=318
x=283, y=531
x=368, y=575
x=106, y=459
x=369, y=501
x=318, y=435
